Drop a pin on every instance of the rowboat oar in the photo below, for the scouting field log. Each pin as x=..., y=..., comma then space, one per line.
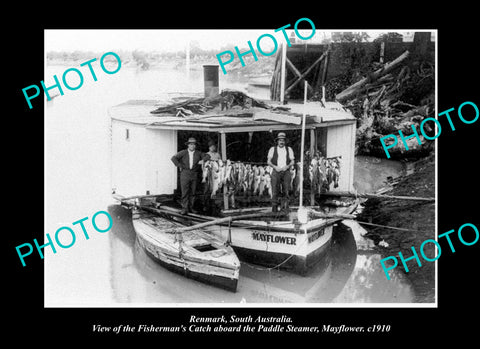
x=122, y=198
x=211, y=220
x=332, y=215
x=227, y=220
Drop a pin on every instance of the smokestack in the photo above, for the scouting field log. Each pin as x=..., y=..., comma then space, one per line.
x=210, y=77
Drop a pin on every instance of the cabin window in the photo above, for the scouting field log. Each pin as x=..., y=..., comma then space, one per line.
x=127, y=134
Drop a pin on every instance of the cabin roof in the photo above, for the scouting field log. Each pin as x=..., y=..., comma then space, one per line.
x=235, y=119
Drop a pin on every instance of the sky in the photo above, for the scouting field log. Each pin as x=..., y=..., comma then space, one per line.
x=167, y=40
x=146, y=40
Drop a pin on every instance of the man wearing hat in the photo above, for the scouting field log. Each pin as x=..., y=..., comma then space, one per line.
x=188, y=161
x=212, y=151
x=280, y=158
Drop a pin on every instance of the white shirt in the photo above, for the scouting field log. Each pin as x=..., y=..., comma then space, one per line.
x=214, y=156
x=282, y=155
x=190, y=158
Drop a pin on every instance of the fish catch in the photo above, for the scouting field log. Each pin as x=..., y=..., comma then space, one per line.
x=237, y=177
x=255, y=180
x=323, y=171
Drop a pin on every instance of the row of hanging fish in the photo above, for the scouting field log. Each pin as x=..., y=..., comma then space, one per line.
x=323, y=172
x=237, y=177
x=256, y=179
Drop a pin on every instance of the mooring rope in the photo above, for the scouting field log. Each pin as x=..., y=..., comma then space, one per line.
x=279, y=264
x=388, y=226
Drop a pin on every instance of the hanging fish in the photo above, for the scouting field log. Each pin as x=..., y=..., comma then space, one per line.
x=241, y=177
x=268, y=184
x=228, y=170
x=222, y=169
x=251, y=180
x=322, y=173
x=230, y=176
x=261, y=186
x=256, y=179
x=297, y=178
x=329, y=173
x=207, y=167
x=216, y=179
x=249, y=177
x=293, y=173
x=244, y=177
x=336, y=172
x=313, y=172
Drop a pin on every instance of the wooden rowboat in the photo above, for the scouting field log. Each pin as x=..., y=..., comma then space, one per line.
x=262, y=237
x=195, y=254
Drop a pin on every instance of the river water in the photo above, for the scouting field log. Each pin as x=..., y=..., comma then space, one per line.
x=111, y=270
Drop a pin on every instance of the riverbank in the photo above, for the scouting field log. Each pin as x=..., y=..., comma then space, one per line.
x=413, y=215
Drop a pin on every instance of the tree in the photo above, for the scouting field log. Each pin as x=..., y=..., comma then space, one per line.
x=350, y=36
x=141, y=59
x=389, y=37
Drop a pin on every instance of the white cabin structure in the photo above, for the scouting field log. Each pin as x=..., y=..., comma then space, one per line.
x=143, y=143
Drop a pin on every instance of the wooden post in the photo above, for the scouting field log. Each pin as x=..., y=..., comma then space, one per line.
x=302, y=145
x=282, y=74
x=312, y=150
x=274, y=89
x=224, y=158
x=324, y=76
x=325, y=67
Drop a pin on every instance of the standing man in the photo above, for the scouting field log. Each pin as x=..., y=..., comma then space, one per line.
x=212, y=151
x=188, y=162
x=280, y=158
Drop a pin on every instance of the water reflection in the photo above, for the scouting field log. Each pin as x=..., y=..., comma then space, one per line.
x=350, y=273
x=367, y=282
x=373, y=173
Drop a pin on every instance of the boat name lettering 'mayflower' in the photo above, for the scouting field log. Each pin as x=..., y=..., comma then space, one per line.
x=252, y=50
x=276, y=239
x=57, y=238
x=64, y=78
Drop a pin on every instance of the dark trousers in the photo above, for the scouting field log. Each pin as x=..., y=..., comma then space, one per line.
x=280, y=182
x=188, y=184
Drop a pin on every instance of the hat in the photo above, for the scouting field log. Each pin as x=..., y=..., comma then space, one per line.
x=281, y=135
x=191, y=140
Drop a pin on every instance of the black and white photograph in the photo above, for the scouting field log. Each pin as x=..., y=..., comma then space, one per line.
x=260, y=182
x=280, y=175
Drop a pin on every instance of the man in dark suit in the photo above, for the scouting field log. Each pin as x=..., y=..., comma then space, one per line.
x=190, y=168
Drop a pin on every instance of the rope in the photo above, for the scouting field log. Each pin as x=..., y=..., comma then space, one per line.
x=388, y=227
x=279, y=264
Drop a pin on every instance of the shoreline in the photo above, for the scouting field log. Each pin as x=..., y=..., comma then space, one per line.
x=416, y=216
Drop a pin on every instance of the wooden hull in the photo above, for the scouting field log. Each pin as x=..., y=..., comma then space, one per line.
x=196, y=254
x=271, y=243
x=224, y=282
x=289, y=250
